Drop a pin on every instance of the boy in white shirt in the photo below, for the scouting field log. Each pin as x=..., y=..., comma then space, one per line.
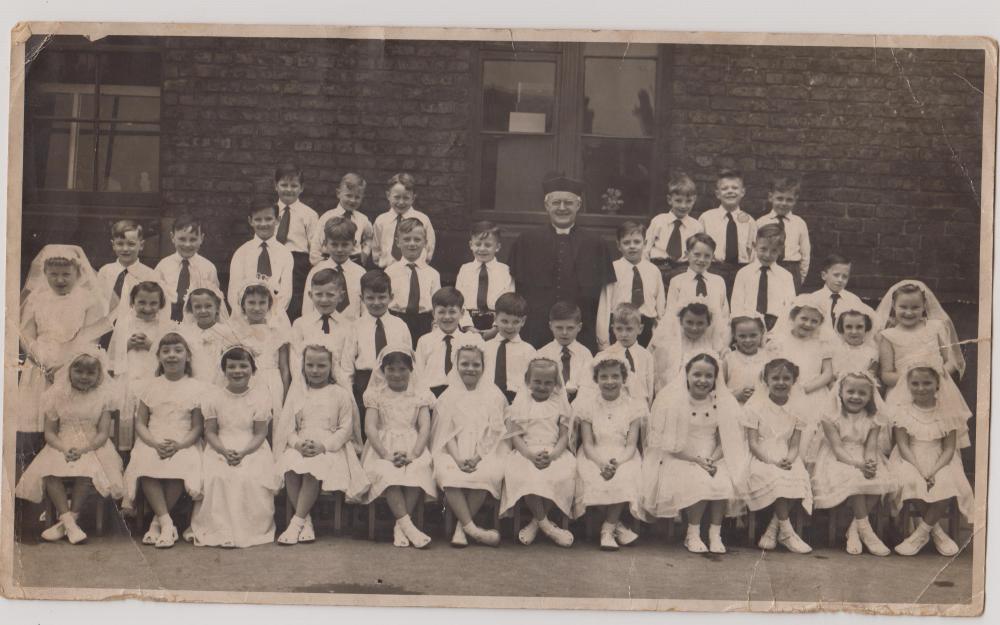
x=698, y=282
x=338, y=243
x=764, y=285
x=262, y=258
x=566, y=321
x=836, y=272
x=637, y=281
x=119, y=277
x=323, y=324
x=484, y=279
x=625, y=322
x=507, y=355
x=733, y=230
x=414, y=282
x=400, y=193
x=295, y=229
x=350, y=195
x=186, y=269
x=435, y=350
x=668, y=234
x=782, y=197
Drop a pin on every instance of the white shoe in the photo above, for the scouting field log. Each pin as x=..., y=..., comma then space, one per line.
x=693, y=541
x=399, y=539
x=792, y=541
x=291, y=534
x=458, y=539
x=73, y=531
x=715, y=539
x=168, y=534
x=916, y=541
x=561, y=537
x=490, y=538
x=608, y=542
x=943, y=542
x=528, y=533
x=55, y=533
x=188, y=535
x=871, y=540
x=769, y=539
x=153, y=533
x=623, y=535
x=853, y=539
x=417, y=538
x=307, y=534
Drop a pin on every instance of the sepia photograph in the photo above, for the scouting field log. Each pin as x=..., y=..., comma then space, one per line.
x=630, y=320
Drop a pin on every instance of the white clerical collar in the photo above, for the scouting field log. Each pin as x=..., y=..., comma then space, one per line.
x=563, y=230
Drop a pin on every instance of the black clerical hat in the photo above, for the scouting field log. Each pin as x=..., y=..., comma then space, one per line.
x=561, y=182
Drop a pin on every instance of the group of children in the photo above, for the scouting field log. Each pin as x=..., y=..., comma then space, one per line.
x=716, y=388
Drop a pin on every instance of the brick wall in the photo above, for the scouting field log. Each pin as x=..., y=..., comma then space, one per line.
x=887, y=142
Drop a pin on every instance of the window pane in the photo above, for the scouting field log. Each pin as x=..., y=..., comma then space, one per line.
x=130, y=107
x=63, y=66
x=129, y=158
x=618, y=97
x=518, y=96
x=133, y=68
x=51, y=154
x=513, y=168
x=82, y=165
x=616, y=173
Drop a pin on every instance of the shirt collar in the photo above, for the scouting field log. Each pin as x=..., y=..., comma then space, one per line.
x=405, y=214
x=272, y=241
x=516, y=339
x=563, y=230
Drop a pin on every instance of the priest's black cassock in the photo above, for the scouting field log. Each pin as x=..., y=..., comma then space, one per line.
x=548, y=267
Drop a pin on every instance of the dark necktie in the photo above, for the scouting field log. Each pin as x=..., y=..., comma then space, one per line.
x=833, y=305
x=674, y=242
x=500, y=375
x=566, y=370
x=700, y=289
x=638, y=297
x=284, y=224
x=183, y=283
x=346, y=300
x=483, y=289
x=120, y=282
x=762, y=291
x=326, y=323
x=732, y=241
x=264, y=261
x=781, y=224
x=413, y=299
x=631, y=361
x=380, y=340
x=447, y=353
x=396, y=252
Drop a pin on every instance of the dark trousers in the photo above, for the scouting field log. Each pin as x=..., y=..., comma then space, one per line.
x=728, y=273
x=419, y=324
x=795, y=268
x=361, y=378
x=300, y=271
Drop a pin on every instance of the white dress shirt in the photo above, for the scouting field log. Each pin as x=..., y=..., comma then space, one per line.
x=359, y=346
x=308, y=330
x=797, y=246
x=431, y=350
x=661, y=228
x=654, y=299
x=301, y=225
x=203, y=273
x=362, y=238
x=428, y=279
x=352, y=275
x=500, y=282
x=715, y=221
x=137, y=272
x=580, y=362
x=780, y=289
x=846, y=301
x=384, y=229
x=684, y=289
x=519, y=354
x=243, y=269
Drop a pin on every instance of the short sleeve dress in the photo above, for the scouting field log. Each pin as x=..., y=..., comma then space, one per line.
x=207, y=346
x=237, y=509
x=134, y=367
x=325, y=415
x=743, y=370
x=474, y=420
x=397, y=431
x=808, y=354
x=928, y=428
x=854, y=358
x=539, y=422
x=267, y=341
x=78, y=415
x=834, y=481
x=610, y=421
x=775, y=426
x=170, y=405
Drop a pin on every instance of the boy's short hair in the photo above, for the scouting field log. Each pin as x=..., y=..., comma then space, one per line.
x=680, y=183
x=329, y=276
x=447, y=296
x=288, y=170
x=340, y=229
x=730, y=174
x=833, y=259
x=147, y=286
x=565, y=311
x=483, y=229
x=408, y=225
x=353, y=182
x=626, y=312
x=186, y=221
x=630, y=227
x=257, y=206
x=407, y=180
x=123, y=226
x=512, y=304
x=785, y=184
x=376, y=281
x=772, y=233
x=699, y=237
